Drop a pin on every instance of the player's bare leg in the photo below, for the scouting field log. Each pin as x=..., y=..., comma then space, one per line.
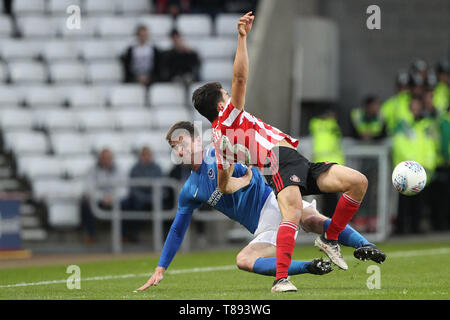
x=353, y=185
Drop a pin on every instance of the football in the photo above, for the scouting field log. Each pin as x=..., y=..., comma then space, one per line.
x=409, y=178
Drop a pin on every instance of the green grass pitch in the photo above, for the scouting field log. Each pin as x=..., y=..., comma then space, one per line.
x=411, y=271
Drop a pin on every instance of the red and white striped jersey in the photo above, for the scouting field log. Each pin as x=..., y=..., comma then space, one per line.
x=238, y=136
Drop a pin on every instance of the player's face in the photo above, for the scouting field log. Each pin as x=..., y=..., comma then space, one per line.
x=186, y=148
x=225, y=96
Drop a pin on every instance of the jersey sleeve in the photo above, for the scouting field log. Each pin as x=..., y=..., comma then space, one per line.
x=229, y=115
x=186, y=206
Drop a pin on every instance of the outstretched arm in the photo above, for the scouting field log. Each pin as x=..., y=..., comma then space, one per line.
x=240, y=67
x=229, y=184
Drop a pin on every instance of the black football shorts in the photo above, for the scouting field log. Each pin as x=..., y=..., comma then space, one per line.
x=285, y=166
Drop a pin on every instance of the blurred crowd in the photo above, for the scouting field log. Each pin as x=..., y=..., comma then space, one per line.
x=417, y=120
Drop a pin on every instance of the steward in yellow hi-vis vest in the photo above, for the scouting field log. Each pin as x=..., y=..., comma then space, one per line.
x=441, y=97
x=368, y=122
x=326, y=136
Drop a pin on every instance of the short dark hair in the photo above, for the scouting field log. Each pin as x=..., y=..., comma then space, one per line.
x=182, y=125
x=206, y=98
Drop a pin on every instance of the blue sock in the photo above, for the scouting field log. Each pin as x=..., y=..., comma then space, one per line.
x=349, y=237
x=268, y=266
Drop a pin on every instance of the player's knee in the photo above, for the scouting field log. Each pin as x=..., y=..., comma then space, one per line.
x=362, y=182
x=243, y=262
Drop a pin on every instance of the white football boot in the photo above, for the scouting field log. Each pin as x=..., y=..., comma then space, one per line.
x=283, y=285
x=332, y=250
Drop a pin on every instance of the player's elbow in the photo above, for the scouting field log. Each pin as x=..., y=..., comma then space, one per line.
x=239, y=79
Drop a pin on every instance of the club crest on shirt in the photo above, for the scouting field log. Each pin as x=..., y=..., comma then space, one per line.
x=294, y=178
x=211, y=174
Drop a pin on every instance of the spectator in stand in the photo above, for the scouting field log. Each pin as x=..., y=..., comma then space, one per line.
x=211, y=7
x=101, y=188
x=142, y=61
x=172, y=7
x=419, y=67
x=367, y=122
x=442, y=92
x=181, y=63
x=429, y=110
x=140, y=198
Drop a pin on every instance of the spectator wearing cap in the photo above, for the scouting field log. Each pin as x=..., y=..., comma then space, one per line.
x=397, y=105
x=368, y=122
x=181, y=63
x=419, y=67
x=142, y=61
x=441, y=96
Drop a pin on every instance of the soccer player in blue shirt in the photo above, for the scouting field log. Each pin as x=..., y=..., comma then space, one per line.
x=252, y=203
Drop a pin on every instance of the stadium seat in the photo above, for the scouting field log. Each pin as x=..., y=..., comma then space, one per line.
x=226, y=24
x=3, y=73
x=50, y=188
x=95, y=119
x=167, y=94
x=165, y=162
x=56, y=120
x=69, y=143
x=125, y=162
x=159, y=24
x=36, y=27
x=107, y=139
x=10, y=96
x=165, y=118
x=96, y=50
x=212, y=70
x=133, y=7
x=43, y=97
x=78, y=166
x=67, y=72
x=198, y=25
x=154, y=139
x=27, y=72
x=38, y=166
x=116, y=27
x=59, y=50
x=27, y=7
x=214, y=48
x=127, y=95
x=87, y=28
x=12, y=119
x=99, y=7
x=133, y=120
x=59, y=7
x=26, y=142
x=86, y=97
x=6, y=26
x=104, y=72
x=20, y=50
x=63, y=213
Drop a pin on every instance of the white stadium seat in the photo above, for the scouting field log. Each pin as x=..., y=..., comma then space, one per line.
x=133, y=120
x=125, y=162
x=105, y=72
x=165, y=162
x=63, y=213
x=6, y=26
x=12, y=119
x=19, y=50
x=56, y=120
x=59, y=50
x=165, y=118
x=52, y=188
x=96, y=50
x=111, y=140
x=27, y=72
x=36, y=27
x=99, y=7
x=116, y=27
x=3, y=73
x=43, y=96
x=86, y=30
x=214, y=48
x=26, y=142
x=226, y=24
x=59, y=7
x=78, y=166
x=27, y=7
x=133, y=7
x=10, y=96
x=167, y=94
x=69, y=143
x=212, y=70
x=199, y=25
x=86, y=96
x=154, y=139
x=36, y=166
x=127, y=95
x=159, y=25
x=67, y=72
x=95, y=119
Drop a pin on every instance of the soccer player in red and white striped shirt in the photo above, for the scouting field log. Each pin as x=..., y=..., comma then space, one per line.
x=239, y=136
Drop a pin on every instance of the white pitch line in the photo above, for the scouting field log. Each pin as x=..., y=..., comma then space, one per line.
x=398, y=254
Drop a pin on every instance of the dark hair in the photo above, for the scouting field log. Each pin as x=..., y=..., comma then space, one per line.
x=174, y=32
x=370, y=99
x=182, y=125
x=206, y=98
x=140, y=27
